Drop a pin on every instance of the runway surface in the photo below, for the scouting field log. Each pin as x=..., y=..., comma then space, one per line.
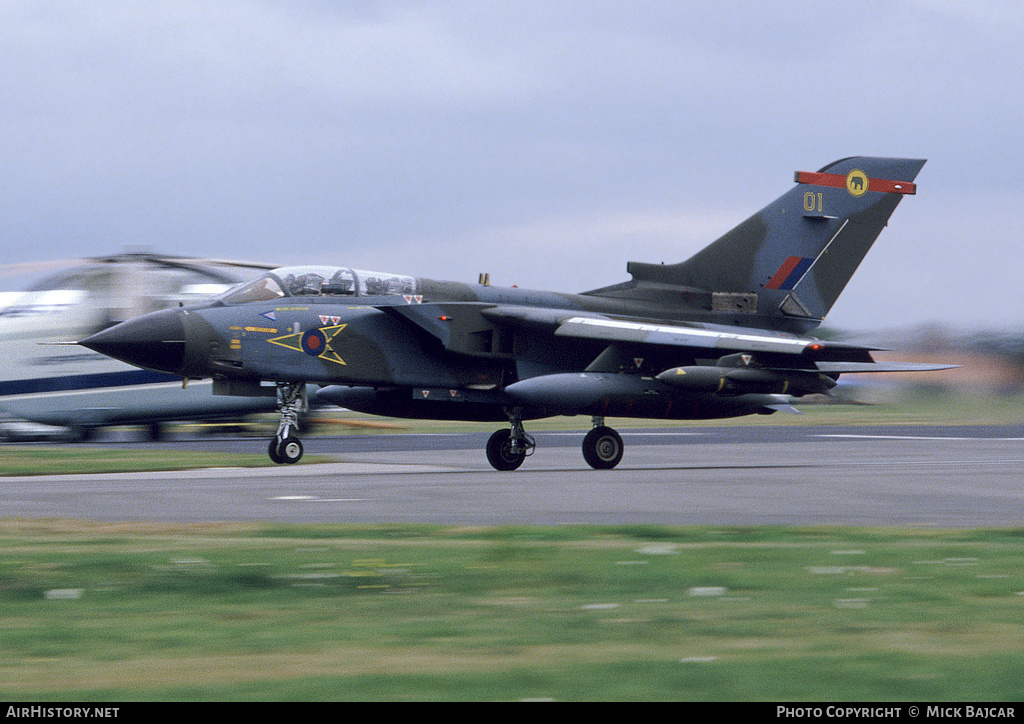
x=949, y=476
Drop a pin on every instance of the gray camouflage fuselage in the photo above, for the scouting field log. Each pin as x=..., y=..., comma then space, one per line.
x=445, y=356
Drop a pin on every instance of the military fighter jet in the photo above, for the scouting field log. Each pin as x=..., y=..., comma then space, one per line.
x=722, y=334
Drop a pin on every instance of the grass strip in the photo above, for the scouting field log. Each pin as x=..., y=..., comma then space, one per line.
x=33, y=460
x=254, y=612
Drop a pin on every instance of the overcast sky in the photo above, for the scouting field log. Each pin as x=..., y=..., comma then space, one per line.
x=547, y=143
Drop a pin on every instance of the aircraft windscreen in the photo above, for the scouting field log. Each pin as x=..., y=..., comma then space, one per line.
x=258, y=290
x=320, y=281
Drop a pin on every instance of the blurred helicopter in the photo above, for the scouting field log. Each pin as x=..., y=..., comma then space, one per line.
x=80, y=391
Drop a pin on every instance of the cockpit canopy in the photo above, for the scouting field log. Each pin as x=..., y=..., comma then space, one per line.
x=318, y=281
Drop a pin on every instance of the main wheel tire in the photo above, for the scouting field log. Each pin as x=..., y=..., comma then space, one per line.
x=602, y=448
x=499, y=451
x=290, y=450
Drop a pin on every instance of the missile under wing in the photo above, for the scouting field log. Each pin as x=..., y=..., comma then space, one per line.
x=722, y=334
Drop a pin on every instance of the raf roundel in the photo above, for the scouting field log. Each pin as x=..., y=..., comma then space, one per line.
x=313, y=342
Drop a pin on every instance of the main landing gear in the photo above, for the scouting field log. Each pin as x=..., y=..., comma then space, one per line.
x=602, y=447
x=285, y=447
x=507, y=449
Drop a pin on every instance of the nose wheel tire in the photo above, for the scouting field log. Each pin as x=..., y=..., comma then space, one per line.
x=272, y=451
x=287, y=451
x=500, y=453
x=602, y=448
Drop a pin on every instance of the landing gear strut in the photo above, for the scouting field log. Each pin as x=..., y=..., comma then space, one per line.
x=285, y=447
x=602, y=447
x=506, y=449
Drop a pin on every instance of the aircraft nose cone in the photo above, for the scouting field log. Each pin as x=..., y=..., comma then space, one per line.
x=154, y=341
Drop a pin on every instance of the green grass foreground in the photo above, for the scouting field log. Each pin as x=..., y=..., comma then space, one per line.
x=252, y=612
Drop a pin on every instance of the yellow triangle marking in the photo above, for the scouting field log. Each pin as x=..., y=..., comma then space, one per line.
x=294, y=342
x=329, y=354
x=291, y=341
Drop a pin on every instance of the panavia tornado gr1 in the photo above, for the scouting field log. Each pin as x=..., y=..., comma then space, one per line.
x=722, y=334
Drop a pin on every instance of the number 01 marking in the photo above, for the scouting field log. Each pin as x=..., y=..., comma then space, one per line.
x=812, y=201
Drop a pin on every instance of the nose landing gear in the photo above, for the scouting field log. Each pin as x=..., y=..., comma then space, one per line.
x=285, y=447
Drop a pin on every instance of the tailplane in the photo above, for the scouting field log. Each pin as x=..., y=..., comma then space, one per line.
x=792, y=259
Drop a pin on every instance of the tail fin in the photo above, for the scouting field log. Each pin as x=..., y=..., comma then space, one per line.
x=794, y=257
